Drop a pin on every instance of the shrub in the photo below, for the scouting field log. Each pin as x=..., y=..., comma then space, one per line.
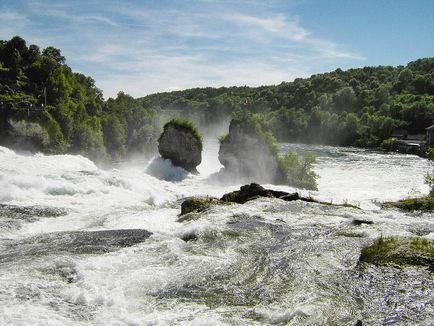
x=388, y=144
x=430, y=154
x=298, y=172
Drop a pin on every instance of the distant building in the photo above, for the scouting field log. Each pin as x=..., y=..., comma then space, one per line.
x=430, y=135
x=417, y=138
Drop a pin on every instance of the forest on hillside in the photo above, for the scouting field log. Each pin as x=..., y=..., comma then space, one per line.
x=63, y=111
x=58, y=110
x=358, y=107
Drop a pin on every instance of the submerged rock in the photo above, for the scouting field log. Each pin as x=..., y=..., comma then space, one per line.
x=77, y=242
x=189, y=237
x=359, y=222
x=30, y=213
x=181, y=143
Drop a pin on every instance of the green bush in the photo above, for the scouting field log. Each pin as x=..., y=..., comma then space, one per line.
x=298, y=172
x=430, y=154
x=388, y=144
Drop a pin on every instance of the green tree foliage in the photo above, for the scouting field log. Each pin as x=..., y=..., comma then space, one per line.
x=298, y=172
x=40, y=88
x=354, y=107
x=129, y=127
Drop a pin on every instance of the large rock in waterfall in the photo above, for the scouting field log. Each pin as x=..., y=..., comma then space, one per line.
x=247, y=155
x=181, y=143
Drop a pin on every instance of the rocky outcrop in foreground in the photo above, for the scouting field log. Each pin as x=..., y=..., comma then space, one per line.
x=246, y=193
x=254, y=191
x=181, y=143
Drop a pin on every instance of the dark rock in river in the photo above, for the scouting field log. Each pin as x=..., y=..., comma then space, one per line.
x=246, y=193
x=189, y=237
x=253, y=191
x=77, y=242
x=247, y=156
x=181, y=143
x=13, y=217
x=196, y=204
x=360, y=222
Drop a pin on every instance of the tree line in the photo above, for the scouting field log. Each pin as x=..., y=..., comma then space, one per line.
x=39, y=87
x=358, y=107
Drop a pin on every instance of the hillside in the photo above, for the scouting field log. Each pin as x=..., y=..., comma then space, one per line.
x=46, y=106
x=355, y=107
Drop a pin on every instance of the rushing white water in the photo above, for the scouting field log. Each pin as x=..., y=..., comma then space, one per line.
x=264, y=262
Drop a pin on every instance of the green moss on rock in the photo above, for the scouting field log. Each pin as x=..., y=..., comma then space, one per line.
x=185, y=125
x=400, y=252
x=197, y=204
x=413, y=204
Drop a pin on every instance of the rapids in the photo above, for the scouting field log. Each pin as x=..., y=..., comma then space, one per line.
x=264, y=262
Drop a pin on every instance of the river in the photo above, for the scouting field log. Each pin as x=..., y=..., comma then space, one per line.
x=264, y=262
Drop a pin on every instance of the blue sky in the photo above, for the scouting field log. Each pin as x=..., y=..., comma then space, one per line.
x=142, y=47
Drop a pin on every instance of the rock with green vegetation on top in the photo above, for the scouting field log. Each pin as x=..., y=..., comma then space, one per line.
x=181, y=143
x=400, y=252
x=248, y=153
x=247, y=193
x=197, y=204
x=413, y=204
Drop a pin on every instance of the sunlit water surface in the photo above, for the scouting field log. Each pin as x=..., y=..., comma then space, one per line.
x=265, y=262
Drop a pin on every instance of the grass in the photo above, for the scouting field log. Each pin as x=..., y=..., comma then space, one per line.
x=415, y=251
x=422, y=245
x=413, y=204
x=330, y=203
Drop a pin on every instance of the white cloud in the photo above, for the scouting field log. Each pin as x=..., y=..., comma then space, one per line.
x=277, y=25
x=142, y=49
x=329, y=50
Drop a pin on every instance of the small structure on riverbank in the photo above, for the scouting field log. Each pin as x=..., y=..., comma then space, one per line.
x=411, y=144
x=430, y=135
x=399, y=134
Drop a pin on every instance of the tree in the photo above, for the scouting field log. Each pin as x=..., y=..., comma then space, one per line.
x=54, y=54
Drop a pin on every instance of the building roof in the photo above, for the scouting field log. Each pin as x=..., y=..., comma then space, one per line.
x=416, y=137
x=430, y=128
